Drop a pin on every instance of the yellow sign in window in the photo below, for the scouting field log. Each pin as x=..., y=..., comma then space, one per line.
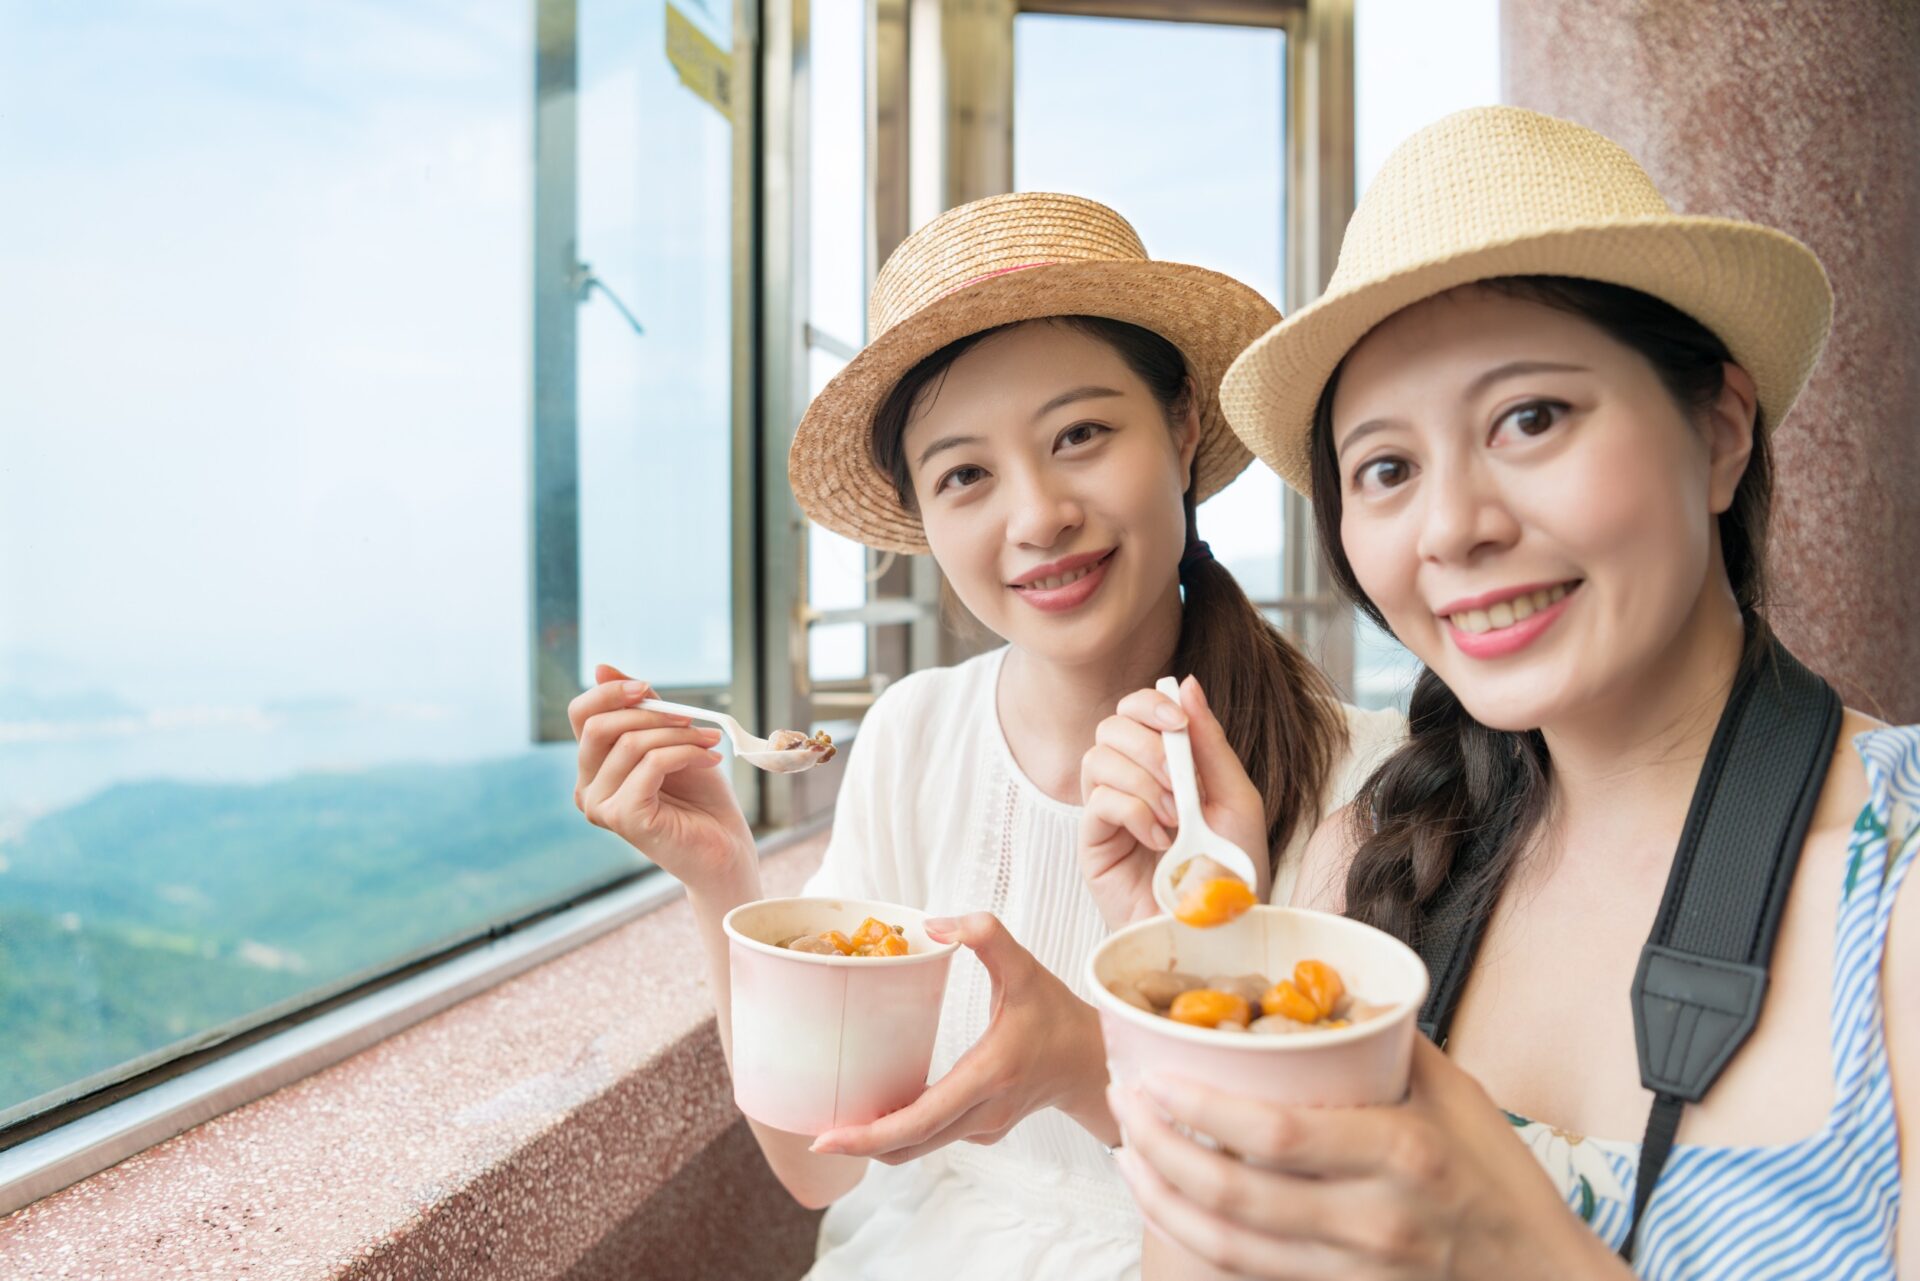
x=704, y=66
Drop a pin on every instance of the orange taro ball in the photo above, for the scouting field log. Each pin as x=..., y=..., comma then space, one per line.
x=1214, y=902
x=877, y=938
x=1205, y=1007
x=1309, y=997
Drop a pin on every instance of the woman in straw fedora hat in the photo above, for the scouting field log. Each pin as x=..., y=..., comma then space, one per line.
x=1533, y=409
x=1037, y=409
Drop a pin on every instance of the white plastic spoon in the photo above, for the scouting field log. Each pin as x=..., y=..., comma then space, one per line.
x=748, y=747
x=1194, y=839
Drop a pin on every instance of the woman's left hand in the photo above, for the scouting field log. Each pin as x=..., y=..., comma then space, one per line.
x=1041, y=1049
x=1435, y=1187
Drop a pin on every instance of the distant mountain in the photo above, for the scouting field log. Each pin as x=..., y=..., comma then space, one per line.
x=156, y=910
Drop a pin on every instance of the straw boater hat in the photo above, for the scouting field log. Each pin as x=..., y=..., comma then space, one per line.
x=1497, y=191
x=991, y=263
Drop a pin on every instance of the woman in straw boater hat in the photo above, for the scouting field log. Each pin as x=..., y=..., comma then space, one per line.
x=1533, y=410
x=1037, y=408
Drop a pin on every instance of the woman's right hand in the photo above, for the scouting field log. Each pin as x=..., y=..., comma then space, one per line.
x=1129, y=816
x=650, y=778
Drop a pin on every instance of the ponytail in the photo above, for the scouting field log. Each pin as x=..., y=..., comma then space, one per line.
x=1277, y=709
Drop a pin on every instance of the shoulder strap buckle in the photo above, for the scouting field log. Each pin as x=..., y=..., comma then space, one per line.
x=1691, y=1012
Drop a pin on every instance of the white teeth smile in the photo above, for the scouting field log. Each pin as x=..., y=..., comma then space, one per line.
x=1507, y=612
x=1061, y=580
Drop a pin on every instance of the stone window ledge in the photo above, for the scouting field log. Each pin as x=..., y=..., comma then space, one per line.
x=575, y=1121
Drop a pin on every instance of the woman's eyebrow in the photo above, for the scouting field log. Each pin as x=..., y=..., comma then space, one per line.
x=1364, y=429
x=1499, y=373
x=1064, y=398
x=1068, y=397
x=1520, y=368
x=945, y=442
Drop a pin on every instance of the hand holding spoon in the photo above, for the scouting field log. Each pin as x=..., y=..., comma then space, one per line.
x=750, y=748
x=1194, y=839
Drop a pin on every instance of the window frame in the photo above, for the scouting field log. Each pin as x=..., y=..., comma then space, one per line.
x=559, y=281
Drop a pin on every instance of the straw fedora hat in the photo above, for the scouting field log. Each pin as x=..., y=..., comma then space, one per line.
x=990, y=263
x=1498, y=191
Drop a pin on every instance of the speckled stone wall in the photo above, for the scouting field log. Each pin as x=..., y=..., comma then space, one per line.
x=1806, y=117
x=724, y=1217
x=575, y=1122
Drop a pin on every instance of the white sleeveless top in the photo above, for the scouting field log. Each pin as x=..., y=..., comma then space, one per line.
x=935, y=814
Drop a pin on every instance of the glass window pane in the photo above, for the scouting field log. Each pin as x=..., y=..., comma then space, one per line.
x=263, y=515
x=1193, y=154
x=837, y=160
x=836, y=577
x=837, y=299
x=837, y=651
x=655, y=408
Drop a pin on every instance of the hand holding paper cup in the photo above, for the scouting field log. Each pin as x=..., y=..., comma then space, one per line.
x=823, y=1040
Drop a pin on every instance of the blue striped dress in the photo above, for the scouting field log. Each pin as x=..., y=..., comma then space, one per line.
x=1827, y=1205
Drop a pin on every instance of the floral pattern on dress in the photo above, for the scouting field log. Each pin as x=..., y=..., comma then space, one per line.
x=1576, y=1165
x=1870, y=830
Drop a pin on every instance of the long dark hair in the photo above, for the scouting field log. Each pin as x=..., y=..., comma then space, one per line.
x=1279, y=712
x=1459, y=802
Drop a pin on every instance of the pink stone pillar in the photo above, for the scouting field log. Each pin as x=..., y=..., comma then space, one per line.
x=1805, y=117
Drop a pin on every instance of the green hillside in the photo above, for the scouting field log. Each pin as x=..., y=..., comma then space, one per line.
x=156, y=910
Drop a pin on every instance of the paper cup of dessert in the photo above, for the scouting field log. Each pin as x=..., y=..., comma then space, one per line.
x=1345, y=1044
x=822, y=1038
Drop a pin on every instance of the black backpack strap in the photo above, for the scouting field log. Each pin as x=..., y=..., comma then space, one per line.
x=1703, y=972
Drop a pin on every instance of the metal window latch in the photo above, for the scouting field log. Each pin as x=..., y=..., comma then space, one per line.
x=583, y=282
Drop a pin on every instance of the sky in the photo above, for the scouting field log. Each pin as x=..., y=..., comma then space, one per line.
x=265, y=275
x=264, y=426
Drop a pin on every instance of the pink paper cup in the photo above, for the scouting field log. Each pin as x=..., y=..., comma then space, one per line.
x=825, y=1041
x=1340, y=1067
